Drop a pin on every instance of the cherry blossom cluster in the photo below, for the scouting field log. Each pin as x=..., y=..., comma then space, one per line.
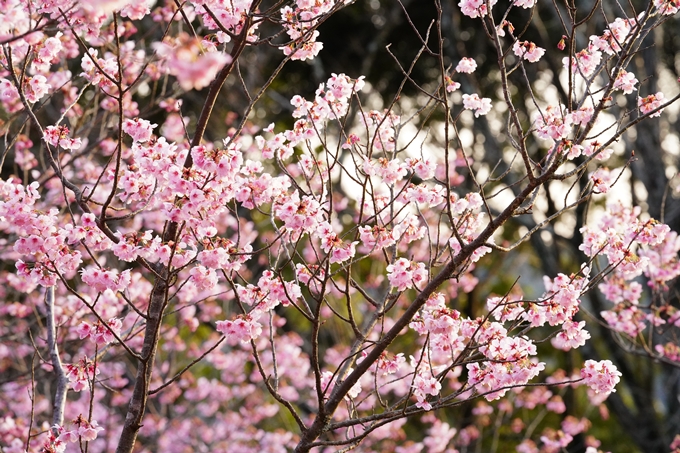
x=651, y=104
x=264, y=236
x=481, y=106
x=405, y=274
x=82, y=431
x=81, y=374
x=330, y=103
x=633, y=247
x=103, y=72
x=448, y=332
x=527, y=50
x=227, y=17
x=511, y=362
x=425, y=384
x=601, y=376
x=242, y=329
x=194, y=62
x=38, y=235
x=466, y=66
x=667, y=7
x=554, y=123
x=300, y=23
x=100, y=333
x=469, y=220
x=270, y=292
x=475, y=8
x=59, y=136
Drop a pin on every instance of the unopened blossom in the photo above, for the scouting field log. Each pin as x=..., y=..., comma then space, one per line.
x=562, y=44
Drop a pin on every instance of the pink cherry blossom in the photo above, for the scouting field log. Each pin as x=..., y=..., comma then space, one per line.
x=600, y=376
x=194, y=65
x=58, y=136
x=625, y=81
x=602, y=179
x=528, y=51
x=404, y=274
x=481, y=106
x=650, y=103
x=36, y=87
x=475, y=8
x=243, y=329
x=140, y=130
x=572, y=336
x=466, y=65
x=584, y=62
x=667, y=7
x=424, y=385
x=89, y=431
x=325, y=273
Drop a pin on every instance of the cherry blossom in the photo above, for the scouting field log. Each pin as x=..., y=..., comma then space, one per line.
x=625, y=81
x=600, y=376
x=194, y=65
x=667, y=7
x=318, y=273
x=650, y=103
x=140, y=130
x=475, y=8
x=242, y=329
x=466, y=65
x=403, y=274
x=528, y=51
x=58, y=136
x=424, y=386
x=602, y=180
x=481, y=106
